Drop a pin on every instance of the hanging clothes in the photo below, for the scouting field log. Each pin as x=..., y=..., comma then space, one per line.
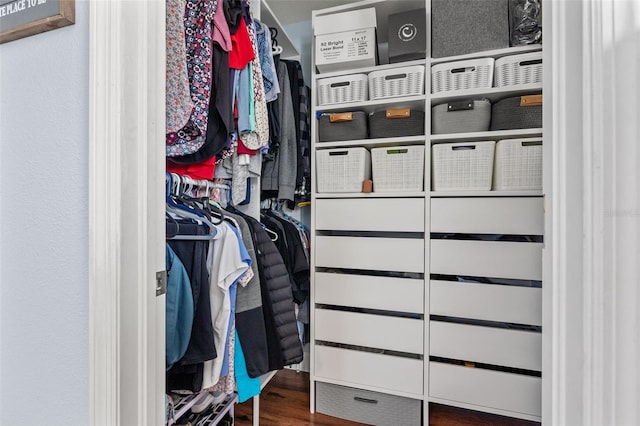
x=284, y=347
x=279, y=170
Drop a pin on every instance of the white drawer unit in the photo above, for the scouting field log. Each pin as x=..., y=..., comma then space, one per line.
x=370, y=369
x=513, y=393
x=371, y=292
x=370, y=253
x=488, y=302
x=486, y=345
x=371, y=331
x=494, y=259
x=490, y=215
x=378, y=214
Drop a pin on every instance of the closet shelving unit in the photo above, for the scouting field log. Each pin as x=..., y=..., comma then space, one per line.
x=391, y=321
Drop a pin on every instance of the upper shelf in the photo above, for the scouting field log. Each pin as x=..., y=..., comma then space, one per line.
x=372, y=106
x=367, y=70
x=498, y=53
x=492, y=93
x=269, y=18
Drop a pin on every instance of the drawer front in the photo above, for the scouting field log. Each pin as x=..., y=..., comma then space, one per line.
x=501, y=303
x=376, y=214
x=381, y=254
x=487, y=345
x=367, y=291
x=490, y=215
x=495, y=259
x=372, y=408
x=495, y=389
x=370, y=369
x=373, y=331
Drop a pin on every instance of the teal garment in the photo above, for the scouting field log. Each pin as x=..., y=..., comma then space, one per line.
x=179, y=310
x=247, y=387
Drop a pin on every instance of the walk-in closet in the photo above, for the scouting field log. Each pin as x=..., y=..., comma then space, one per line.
x=363, y=204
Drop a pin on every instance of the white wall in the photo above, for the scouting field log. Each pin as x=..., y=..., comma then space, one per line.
x=301, y=36
x=44, y=82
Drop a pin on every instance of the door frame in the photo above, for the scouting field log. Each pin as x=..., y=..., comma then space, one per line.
x=126, y=212
x=126, y=165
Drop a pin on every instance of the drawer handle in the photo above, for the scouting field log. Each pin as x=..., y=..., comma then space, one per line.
x=463, y=69
x=368, y=401
x=395, y=76
x=340, y=84
x=459, y=148
x=534, y=143
x=338, y=153
x=397, y=151
x=532, y=62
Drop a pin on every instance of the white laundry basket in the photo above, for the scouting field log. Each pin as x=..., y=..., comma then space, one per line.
x=518, y=165
x=341, y=89
x=462, y=75
x=398, y=168
x=395, y=82
x=463, y=166
x=342, y=170
x=518, y=69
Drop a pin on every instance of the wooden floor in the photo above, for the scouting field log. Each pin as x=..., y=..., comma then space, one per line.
x=285, y=402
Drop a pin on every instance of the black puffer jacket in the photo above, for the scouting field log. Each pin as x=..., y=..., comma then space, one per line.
x=283, y=341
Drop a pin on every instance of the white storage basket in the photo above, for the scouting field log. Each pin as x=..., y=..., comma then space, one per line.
x=463, y=166
x=462, y=75
x=518, y=165
x=519, y=69
x=342, y=170
x=406, y=81
x=398, y=168
x=347, y=88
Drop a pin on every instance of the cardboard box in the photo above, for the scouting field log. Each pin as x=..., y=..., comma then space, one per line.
x=346, y=50
x=344, y=21
x=407, y=36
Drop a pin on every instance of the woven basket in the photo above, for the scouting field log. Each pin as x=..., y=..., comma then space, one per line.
x=518, y=69
x=461, y=116
x=463, y=166
x=342, y=170
x=518, y=165
x=519, y=112
x=348, y=88
x=406, y=81
x=390, y=123
x=342, y=126
x=462, y=75
x=397, y=168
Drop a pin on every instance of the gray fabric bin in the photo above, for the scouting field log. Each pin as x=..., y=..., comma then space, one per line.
x=519, y=112
x=342, y=126
x=368, y=407
x=461, y=116
x=459, y=27
x=390, y=123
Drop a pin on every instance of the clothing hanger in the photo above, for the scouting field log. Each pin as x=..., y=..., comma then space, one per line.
x=276, y=49
x=184, y=214
x=174, y=186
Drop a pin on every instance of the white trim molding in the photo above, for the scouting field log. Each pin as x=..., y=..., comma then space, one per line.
x=105, y=124
x=592, y=256
x=126, y=172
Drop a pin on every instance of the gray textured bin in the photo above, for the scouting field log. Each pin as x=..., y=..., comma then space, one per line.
x=513, y=113
x=461, y=116
x=368, y=407
x=354, y=128
x=466, y=26
x=383, y=124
